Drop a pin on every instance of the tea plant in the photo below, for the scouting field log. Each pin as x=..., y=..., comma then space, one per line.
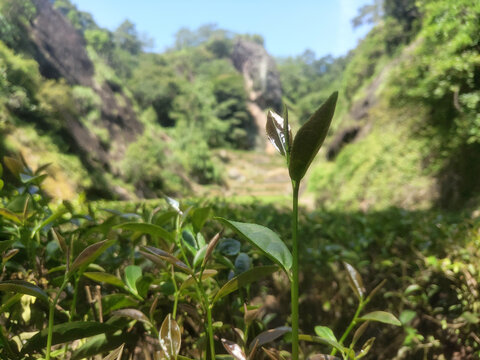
x=299, y=153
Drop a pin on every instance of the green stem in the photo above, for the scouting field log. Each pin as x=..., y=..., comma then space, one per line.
x=51, y=312
x=294, y=287
x=177, y=294
x=210, y=332
x=350, y=327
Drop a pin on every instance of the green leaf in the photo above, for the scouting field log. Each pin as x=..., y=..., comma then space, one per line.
x=24, y=287
x=381, y=316
x=114, y=302
x=144, y=228
x=323, y=357
x=105, y=278
x=6, y=244
x=28, y=179
x=132, y=274
x=325, y=332
x=355, y=280
x=406, y=316
x=67, y=332
x=242, y=263
x=264, y=239
x=1, y=184
x=324, y=341
x=200, y=256
x=199, y=217
x=99, y=344
x=211, y=247
x=57, y=214
x=170, y=337
x=90, y=254
x=244, y=279
x=310, y=137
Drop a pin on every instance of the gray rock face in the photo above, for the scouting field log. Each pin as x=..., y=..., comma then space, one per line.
x=262, y=83
x=260, y=73
x=61, y=53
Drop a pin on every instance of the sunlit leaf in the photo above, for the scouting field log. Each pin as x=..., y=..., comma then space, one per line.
x=207, y=273
x=24, y=287
x=170, y=337
x=269, y=336
x=324, y=341
x=99, y=344
x=200, y=257
x=15, y=166
x=325, y=332
x=244, y=279
x=381, y=316
x=105, y=278
x=234, y=349
x=144, y=228
x=310, y=137
x=174, y=204
x=355, y=280
x=7, y=214
x=276, y=128
x=264, y=239
x=132, y=274
x=90, y=254
x=67, y=332
x=56, y=215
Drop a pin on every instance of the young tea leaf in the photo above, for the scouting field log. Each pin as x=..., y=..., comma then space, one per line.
x=133, y=314
x=163, y=255
x=365, y=348
x=170, y=337
x=234, y=349
x=381, y=316
x=244, y=279
x=115, y=354
x=132, y=274
x=324, y=341
x=90, y=254
x=264, y=239
x=276, y=130
x=211, y=246
x=355, y=280
x=269, y=336
x=310, y=137
x=15, y=166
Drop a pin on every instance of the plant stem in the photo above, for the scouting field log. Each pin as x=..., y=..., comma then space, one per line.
x=350, y=327
x=51, y=312
x=294, y=287
x=210, y=332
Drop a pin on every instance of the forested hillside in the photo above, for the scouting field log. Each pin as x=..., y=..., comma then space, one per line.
x=97, y=131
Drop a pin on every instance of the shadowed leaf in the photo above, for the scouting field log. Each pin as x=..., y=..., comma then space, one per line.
x=6, y=244
x=310, y=137
x=359, y=332
x=67, y=332
x=133, y=314
x=264, y=239
x=60, y=239
x=168, y=257
x=244, y=279
x=269, y=336
x=208, y=273
x=15, y=166
x=24, y=287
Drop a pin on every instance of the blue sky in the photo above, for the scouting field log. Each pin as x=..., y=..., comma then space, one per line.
x=288, y=27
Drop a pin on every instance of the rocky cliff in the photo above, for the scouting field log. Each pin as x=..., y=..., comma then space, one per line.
x=61, y=53
x=262, y=83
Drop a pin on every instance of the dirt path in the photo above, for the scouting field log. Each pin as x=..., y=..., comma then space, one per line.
x=256, y=174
